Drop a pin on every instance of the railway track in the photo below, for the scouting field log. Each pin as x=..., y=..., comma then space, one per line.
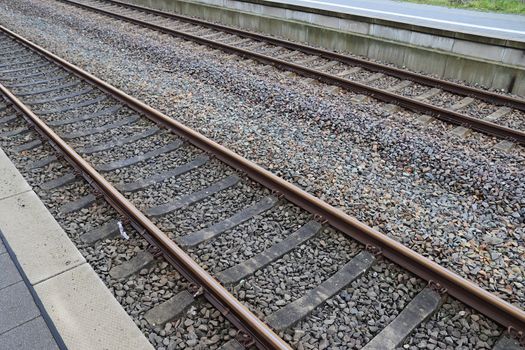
x=284, y=255
x=470, y=108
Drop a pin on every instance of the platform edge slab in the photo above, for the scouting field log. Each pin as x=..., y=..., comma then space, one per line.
x=86, y=314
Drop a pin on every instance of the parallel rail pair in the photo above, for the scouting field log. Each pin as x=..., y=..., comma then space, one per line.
x=446, y=114
x=469, y=293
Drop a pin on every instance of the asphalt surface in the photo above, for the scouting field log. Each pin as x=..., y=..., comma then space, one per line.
x=496, y=25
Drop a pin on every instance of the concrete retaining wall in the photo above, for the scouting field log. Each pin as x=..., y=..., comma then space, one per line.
x=488, y=62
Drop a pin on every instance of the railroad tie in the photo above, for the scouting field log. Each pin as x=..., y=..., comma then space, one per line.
x=32, y=60
x=27, y=146
x=425, y=119
x=373, y=78
x=403, y=84
x=16, y=70
x=108, y=230
x=31, y=75
x=100, y=129
x=38, y=82
x=276, y=251
x=140, y=261
x=416, y=312
x=332, y=89
x=327, y=65
x=201, y=32
x=78, y=204
x=58, y=182
x=96, y=100
x=193, y=197
x=239, y=42
x=213, y=36
x=238, y=218
x=170, y=309
x=349, y=71
x=61, y=97
x=300, y=308
x=41, y=162
x=50, y=89
x=157, y=178
x=390, y=108
x=257, y=46
x=426, y=95
x=307, y=60
x=8, y=119
x=462, y=103
x=497, y=114
x=503, y=145
x=162, y=21
x=14, y=132
x=273, y=50
x=288, y=55
x=360, y=98
x=102, y=112
x=184, y=27
x=461, y=131
x=122, y=163
x=117, y=142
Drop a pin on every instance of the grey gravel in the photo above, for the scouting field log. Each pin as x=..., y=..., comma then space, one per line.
x=458, y=201
x=441, y=195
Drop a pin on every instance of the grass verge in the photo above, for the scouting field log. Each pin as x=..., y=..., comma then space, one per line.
x=503, y=6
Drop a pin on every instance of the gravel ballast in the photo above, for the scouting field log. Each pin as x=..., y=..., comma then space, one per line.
x=458, y=201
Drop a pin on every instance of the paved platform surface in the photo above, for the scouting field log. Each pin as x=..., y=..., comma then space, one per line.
x=81, y=311
x=494, y=25
x=24, y=324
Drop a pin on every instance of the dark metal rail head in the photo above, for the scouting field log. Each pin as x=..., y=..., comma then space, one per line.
x=458, y=287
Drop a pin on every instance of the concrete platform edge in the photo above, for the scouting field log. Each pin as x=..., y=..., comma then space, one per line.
x=490, y=62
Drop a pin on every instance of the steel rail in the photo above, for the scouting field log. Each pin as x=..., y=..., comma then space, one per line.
x=230, y=307
x=450, y=116
x=449, y=86
x=467, y=292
